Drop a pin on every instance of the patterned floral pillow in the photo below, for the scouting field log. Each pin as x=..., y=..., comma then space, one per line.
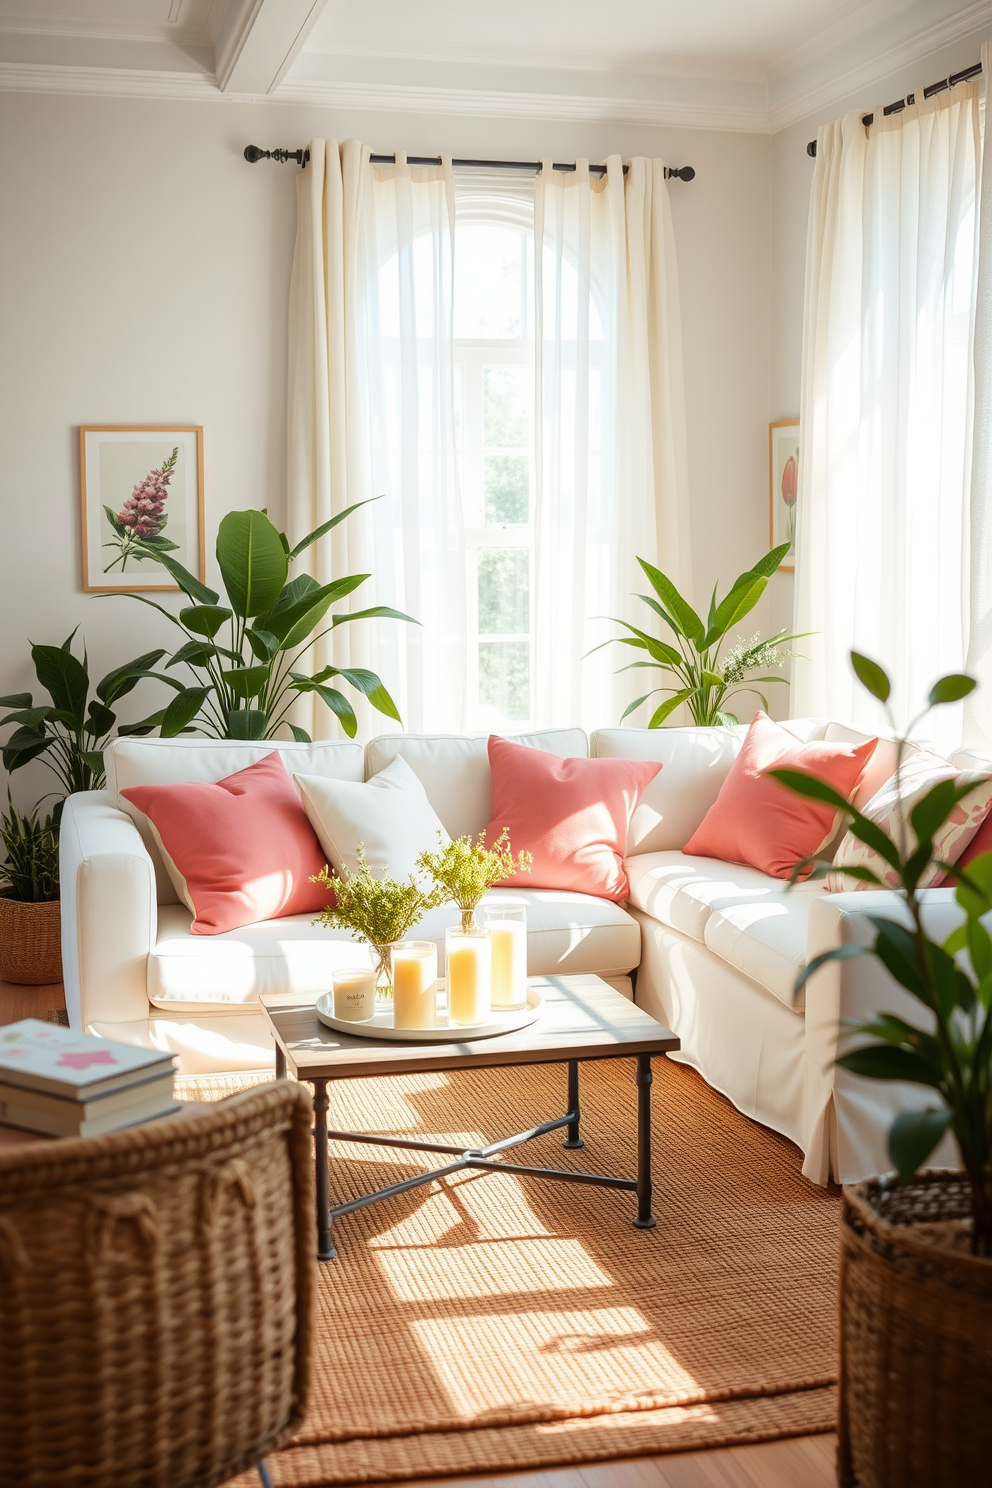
x=921, y=770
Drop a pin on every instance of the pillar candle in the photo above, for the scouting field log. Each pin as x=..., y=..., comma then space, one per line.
x=415, y=985
x=509, y=943
x=469, y=978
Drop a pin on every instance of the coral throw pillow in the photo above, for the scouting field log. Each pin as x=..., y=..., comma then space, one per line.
x=757, y=821
x=239, y=851
x=571, y=814
x=921, y=770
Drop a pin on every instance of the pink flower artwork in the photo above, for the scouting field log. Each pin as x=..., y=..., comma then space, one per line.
x=85, y=1059
x=140, y=523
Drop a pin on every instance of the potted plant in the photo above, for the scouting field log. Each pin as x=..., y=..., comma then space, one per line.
x=702, y=681
x=464, y=871
x=916, y=1271
x=70, y=733
x=376, y=910
x=30, y=949
x=245, y=649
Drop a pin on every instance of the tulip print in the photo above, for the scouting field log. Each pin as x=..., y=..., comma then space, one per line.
x=141, y=520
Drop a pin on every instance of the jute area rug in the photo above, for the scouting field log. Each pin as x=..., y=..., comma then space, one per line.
x=494, y=1323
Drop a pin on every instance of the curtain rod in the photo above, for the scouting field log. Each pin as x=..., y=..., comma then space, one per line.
x=301, y=156
x=928, y=92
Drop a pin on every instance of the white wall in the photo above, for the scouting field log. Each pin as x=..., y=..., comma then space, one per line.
x=144, y=273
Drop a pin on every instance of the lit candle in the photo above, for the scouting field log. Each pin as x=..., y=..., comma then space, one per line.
x=354, y=993
x=506, y=922
x=414, y=984
x=469, y=965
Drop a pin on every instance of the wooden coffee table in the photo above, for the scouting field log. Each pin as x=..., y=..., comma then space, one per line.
x=582, y=1018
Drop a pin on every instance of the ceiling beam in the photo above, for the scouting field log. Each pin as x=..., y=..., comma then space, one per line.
x=258, y=41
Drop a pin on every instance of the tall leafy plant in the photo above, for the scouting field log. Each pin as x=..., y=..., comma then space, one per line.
x=700, y=679
x=951, y=1052
x=70, y=732
x=30, y=872
x=247, y=648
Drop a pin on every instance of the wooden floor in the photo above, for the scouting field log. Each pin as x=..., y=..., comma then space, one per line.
x=802, y=1462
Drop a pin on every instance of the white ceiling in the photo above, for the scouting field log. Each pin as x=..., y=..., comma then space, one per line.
x=744, y=64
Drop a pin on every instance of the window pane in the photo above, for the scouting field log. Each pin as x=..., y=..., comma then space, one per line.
x=489, y=282
x=507, y=490
x=504, y=677
x=504, y=591
x=508, y=407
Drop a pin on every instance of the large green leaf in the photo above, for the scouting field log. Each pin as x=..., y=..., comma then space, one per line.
x=632, y=707
x=339, y=704
x=772, y=560
x=974, y=885
x=22, y=747
x=16, y=700
x=738, y=603
x=182, y=710
x=205, y=620
x=668, y=707
x=123, y=679
x=895, y=947
x=884, y=1062
x=193, y=653
x=368, y=683
x=263, y=643
x=839, y=953
x=100, y=719
x=377, y=612
x=300, y=734
x=326, y=527
x=246, y=682
x=913, y=1136
x=683, y=612
x=64, y=677
x=933, y=809
x=187, y=582
x=951, y=689
x=252, y=561
x=247, y=723
x=31, y=718
x=871, y=676
x=660, y=650
x=307, y=615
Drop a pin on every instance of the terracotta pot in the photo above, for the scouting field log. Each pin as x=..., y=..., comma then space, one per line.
x=30, y=941
x=916, y=1339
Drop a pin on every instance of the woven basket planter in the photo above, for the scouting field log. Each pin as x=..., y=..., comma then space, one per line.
x=30, y=941
x=916, y=1342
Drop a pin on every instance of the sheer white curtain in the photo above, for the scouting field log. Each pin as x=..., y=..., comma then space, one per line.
x=886, y=407
x=978, y=707
x=610, y=427
x=370, y=414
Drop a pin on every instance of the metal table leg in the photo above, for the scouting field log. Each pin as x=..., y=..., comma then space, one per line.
x=325, y=1250
x=645, y=1219
x=572, y=1138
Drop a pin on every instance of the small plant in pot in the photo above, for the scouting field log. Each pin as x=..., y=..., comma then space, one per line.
x=30, y=951
x=702, y=679
x=378, y=911
x=916, y=1271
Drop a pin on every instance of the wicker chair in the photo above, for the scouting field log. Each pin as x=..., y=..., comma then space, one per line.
x=155, y=1297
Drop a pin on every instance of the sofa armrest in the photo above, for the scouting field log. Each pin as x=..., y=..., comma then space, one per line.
x=109, y=912
x=848, y=1116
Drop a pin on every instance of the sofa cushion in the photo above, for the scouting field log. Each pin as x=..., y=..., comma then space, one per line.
x=683, y=891
x=130, y=762
x=765, y=938
x=454, y=769
x=570, y=815
x=565, y=933
x=389, y=817
x=694, y=761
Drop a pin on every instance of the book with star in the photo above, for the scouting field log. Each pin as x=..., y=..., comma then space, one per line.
x=65, y=1083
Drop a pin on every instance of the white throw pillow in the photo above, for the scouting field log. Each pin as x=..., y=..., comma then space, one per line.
x=390, y=814
x=921, y=770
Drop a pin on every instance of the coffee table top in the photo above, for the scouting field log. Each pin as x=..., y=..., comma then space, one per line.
x=582, y=1018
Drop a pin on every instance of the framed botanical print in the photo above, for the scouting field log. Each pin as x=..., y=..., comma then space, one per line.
x=141, y=489
x=783, y=486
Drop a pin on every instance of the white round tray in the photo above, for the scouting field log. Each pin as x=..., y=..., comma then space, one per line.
x=381, y=1026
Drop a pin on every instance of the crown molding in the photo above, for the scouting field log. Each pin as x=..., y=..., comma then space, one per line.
x=110, y=82
x=850, y=80
x=386, y=98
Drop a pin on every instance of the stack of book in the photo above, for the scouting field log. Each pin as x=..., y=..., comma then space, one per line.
x=69, y=1084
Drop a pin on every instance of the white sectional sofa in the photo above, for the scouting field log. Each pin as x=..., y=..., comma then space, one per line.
x=713, y=948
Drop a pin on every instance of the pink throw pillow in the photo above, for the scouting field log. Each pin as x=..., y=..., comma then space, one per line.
x=243, y=847
x=572, y=814
x=756, y=820
x=979, y=844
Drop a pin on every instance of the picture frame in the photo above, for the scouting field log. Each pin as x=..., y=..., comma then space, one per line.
x=140, y=483
x=783, y=485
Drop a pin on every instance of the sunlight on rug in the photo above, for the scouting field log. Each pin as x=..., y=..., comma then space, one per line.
x=495, y=1323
